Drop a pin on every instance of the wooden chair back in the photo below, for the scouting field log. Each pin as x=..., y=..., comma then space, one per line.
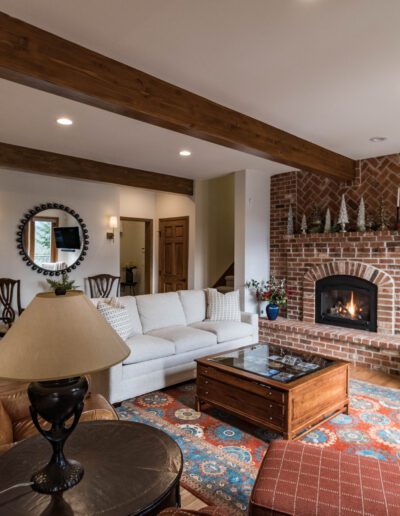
x=101, y=285
x=10, y=297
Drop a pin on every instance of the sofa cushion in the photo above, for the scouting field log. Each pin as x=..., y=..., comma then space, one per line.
x=186, y=339
x=147, y=347
x=130, y=303
x=194, y=305
x=225, y=330
x=117, y=316
x=160, y=311
x=223, y=307
x=297, y=478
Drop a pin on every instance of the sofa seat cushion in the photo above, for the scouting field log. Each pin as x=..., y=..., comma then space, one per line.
x=160, y=311
x=186, y=338
x=225, y=330
x=147, y=347
x=194, y=305
x=299, y=479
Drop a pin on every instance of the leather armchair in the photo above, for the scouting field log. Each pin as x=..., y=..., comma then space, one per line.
x=15, y=419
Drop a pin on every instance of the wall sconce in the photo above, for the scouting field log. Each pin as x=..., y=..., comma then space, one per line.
x=112, y=224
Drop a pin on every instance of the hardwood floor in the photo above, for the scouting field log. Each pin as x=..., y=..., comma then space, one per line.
x=189, y=501
x=376, y=377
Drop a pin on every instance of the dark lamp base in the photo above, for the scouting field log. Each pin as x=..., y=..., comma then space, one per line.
x=57, y=402
x=54, y=478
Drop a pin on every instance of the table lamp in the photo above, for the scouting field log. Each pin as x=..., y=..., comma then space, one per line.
x=57, y=340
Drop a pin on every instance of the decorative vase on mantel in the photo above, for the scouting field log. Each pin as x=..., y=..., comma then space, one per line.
x=272, y=311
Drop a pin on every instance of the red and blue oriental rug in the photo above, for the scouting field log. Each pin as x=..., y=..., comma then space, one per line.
x=222, y=453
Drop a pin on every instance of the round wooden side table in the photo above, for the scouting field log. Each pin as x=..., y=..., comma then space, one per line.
x=130, y=469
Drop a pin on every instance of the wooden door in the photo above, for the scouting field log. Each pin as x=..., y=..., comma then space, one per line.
x=173, y=254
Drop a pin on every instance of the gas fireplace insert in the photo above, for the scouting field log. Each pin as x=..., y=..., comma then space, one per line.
x=346, y=301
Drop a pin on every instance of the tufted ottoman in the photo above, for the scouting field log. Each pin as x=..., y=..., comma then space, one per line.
x=303, y=480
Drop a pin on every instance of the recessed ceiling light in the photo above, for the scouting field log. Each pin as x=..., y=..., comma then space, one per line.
x=185, y=153
x=377, y=139
x=64, y=121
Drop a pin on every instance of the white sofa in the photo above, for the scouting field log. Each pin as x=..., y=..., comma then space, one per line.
x=169, y=332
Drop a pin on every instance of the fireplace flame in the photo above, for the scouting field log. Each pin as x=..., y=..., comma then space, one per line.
x=351, y=307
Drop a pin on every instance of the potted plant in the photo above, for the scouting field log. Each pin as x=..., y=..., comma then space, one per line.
x=62, y=286
x=277, y=297
x=269, y=294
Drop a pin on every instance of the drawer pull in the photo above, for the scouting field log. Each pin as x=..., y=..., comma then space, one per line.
x=270, y=406
x=206, y=382
x=270, y=418
x=263, y=385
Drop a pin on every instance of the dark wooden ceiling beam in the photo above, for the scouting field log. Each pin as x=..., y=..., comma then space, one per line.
x=36, y=58
x=46, y=163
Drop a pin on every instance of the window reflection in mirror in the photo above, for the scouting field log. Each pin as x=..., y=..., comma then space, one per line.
x=53, y=239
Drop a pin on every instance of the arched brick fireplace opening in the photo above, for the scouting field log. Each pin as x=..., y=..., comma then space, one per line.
x=385, y=316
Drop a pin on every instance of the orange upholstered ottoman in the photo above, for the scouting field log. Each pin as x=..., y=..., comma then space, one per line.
x=303, y=480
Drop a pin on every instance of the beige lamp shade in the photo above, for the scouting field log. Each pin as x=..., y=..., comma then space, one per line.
x=59, y=337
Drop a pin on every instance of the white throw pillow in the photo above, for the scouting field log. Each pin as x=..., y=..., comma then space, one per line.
x=117, y=316
x=223, y=307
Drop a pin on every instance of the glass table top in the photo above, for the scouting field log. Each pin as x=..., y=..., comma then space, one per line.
x=275, y=362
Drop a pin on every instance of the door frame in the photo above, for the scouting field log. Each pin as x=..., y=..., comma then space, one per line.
x=187, y=218
x=148, y=256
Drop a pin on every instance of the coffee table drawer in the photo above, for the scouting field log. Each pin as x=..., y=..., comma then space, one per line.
x=240, y=401
x=264, y=390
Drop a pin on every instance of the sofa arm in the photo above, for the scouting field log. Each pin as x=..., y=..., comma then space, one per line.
x=108, y=383
x=249, y=318
x=252, y=319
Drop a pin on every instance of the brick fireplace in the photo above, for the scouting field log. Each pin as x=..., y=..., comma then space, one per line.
x=371, y=257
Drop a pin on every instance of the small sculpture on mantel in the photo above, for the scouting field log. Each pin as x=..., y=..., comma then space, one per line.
x=303, y=224
x=361, y=216
x=370, y=223
x=328, y=221
x=343, y=215
x=316, y=220
x=382, y=215
x=290, y=221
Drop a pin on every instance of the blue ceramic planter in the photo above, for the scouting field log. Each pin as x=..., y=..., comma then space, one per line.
x=272, y=312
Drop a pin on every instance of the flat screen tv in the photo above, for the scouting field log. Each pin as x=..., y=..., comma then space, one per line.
x=67, y=238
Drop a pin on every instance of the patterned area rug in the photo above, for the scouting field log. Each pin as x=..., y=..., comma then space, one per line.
x=222, y=454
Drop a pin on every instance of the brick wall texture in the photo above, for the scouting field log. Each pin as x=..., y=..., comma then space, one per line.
x=303, y=258
x=375, y=178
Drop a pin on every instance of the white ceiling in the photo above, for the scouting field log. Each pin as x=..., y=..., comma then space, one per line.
x=326, y=70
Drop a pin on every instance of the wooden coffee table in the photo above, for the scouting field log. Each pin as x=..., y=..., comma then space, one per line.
x=282, y=389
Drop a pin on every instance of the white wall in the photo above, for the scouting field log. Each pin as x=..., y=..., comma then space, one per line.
x=215, y=228
x=201, y=230
x=221, y=229
x=95, y=202
x=252, y=221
